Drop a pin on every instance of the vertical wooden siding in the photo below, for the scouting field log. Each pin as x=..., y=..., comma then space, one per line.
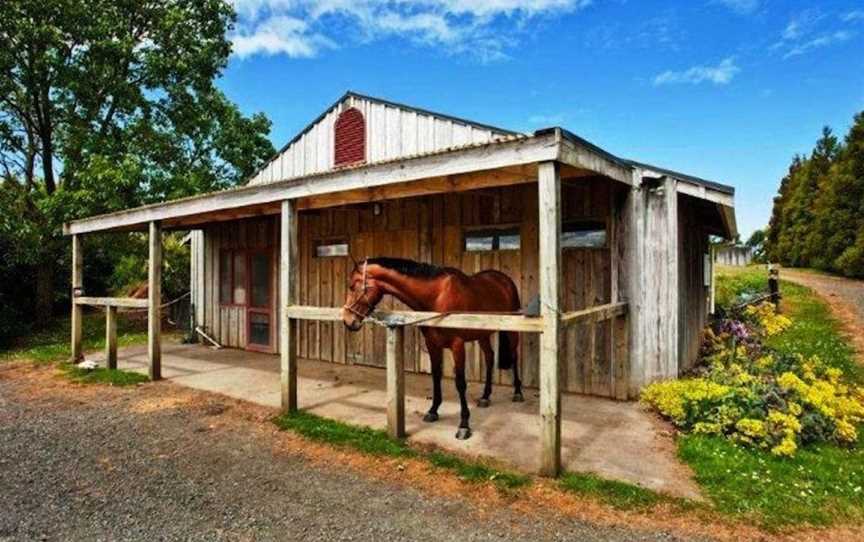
x=391, y=132
x=693, y=298
x=431, y=229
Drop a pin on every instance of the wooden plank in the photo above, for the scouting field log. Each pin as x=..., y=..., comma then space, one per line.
x=111, y=337
x=288, y=260
x=154, y=310
x=491, y=321
x=395, y=382
x=596, y=314
x=77, y=288
x=128, y=302
x=549, y=192
x=486, y=157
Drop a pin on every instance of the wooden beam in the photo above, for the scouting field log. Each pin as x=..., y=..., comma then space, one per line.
x=477, y=320
x=111, y=337
x=596, y=314
x=585, y=158
x=154, y=309
x=549, y=187
x=436, y=185
x=288, y=265
x=706, y=193
x=395, y=382
x=128, y=302
x=491, y=156
x=77, y=288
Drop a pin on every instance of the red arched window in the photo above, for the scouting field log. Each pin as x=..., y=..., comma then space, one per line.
x=350, y=138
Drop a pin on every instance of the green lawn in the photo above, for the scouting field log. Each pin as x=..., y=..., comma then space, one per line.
x=822, y=485
x=53, y=344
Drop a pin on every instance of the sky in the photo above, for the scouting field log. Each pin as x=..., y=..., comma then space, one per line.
x=729, y=90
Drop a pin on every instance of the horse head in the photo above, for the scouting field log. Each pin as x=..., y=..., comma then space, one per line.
x=364, y=294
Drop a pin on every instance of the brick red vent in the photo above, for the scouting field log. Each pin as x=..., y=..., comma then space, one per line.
x=350, y=138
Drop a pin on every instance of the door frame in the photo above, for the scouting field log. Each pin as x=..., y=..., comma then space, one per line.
x=268, y=309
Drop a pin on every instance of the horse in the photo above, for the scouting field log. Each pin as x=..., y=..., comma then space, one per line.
x=425, y=287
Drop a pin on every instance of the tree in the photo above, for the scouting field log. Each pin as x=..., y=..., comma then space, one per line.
x=756, y=242
x=107, y=104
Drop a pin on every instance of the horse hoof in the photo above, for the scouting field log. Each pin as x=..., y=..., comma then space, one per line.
x=483, y=403
x=464, y=433
x=517, y=398
x=430, y=417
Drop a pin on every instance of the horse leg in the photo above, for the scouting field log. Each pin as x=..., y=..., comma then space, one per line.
x=458, y=348
x=436, y=357
x=489, y=355
x=517, y=384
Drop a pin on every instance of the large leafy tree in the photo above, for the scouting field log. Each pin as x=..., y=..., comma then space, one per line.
x=106, y=104
x=818, y=215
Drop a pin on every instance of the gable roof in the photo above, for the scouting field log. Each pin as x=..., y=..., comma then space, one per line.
x=430, y=134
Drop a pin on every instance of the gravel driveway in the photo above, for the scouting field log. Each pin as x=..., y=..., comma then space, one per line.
x=845, y=296
x=97, y=463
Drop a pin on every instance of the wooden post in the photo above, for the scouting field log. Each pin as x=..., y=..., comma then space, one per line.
x=549, y=187
x=288, y=264
x=154, y=310
x=77, y=290
x=111, y=337
x=395, y=382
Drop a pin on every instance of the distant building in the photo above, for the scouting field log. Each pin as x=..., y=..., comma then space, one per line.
x=734, y=255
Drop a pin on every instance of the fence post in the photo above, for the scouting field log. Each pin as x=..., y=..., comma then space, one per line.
x=395, y=381
x=111, y=337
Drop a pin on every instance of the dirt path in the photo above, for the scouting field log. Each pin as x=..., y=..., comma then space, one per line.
x=845, y=296
x=164, y=462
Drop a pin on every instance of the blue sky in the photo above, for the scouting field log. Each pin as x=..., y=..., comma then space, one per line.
x=725, y=89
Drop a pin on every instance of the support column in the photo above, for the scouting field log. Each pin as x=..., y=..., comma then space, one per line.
x=154, y=310
x=288, y=264
x=77, y=290
x=395, y=382
x=549, y=187
x=111, y=337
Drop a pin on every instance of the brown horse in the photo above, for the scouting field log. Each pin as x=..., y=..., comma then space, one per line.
x=425, y=287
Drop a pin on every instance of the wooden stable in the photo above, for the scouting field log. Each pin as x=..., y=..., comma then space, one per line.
x=610, y=256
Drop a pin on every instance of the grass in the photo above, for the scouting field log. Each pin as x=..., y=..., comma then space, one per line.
x=100, y=375
x=52, y=344
x=379, y=443
x=822, y=485
x=620, y=495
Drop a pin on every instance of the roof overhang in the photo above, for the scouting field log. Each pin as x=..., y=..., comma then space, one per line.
x=501, y=162
x=260, y=199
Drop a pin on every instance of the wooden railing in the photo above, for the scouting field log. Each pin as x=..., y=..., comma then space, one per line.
x=111, y=304
x=128, y=302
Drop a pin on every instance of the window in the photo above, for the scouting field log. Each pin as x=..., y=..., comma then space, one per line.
x=486, y=240
x=232, y=277
x=349, y=141
x=330, y=249
x=583, y=234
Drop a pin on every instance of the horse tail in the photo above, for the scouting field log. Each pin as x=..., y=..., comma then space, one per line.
x=505, y=352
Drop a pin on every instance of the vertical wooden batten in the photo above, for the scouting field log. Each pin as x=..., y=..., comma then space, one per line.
x=396, y=382
x=288, y=264
x=77, y=287
x=549, y=190
x=111, y=337
x=154, y=310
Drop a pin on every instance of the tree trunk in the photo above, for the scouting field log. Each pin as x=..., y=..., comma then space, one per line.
x=44, y=294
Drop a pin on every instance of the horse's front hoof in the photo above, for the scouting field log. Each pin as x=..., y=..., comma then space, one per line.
x=464, y=433
x=483, y=403
x=518, y=398
x=430, y=417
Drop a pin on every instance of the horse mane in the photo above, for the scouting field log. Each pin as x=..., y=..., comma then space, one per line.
x=409, y=267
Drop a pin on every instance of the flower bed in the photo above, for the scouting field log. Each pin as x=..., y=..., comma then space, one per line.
x=757, y=396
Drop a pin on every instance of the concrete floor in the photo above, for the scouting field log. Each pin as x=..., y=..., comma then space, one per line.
x=614, y=439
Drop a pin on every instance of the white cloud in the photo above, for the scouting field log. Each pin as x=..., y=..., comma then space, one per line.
x=741, y=6
x=280, y=35
x=852, y=16
x=720, y=74
x=817, y=43
x=484, y=29
x=805, y=32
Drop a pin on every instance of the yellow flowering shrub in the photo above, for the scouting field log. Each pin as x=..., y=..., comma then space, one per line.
x=765, y=314
x=759, y=397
